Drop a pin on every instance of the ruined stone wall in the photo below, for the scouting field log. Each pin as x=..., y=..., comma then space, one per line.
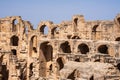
x=32, y=54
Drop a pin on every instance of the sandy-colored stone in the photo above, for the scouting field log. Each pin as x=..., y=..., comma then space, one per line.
x=87, y=50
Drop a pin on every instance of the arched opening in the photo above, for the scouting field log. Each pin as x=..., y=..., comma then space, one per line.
x=46, y=55
x=118, y=66
x=14, y=40
x=77, y=60
x=65, y=47
x=94, y=29
x=14, y=27
x=83, y=48
x=14, y=52
x=117, y=39
x=60, y=63
x=26, y=30
x=76, y=21
x=47, y=51
x=54, y=30
x=72, y=75
x=75, y=37
x=44, y=29
x=103, y=49
x=33, y=45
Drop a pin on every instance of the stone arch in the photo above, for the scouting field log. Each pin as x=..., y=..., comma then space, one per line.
x=47, y=50
x=43, y=25
x=33, y=45
x=14, y=52
x=60, y=62
x=44, y=29
x=55, y=29
x=14, y=25
x=14, y=40
x=65, y=47
x=28, y=27
x=103, y=49
x=76, y=21
x=83, y=48
x=94, y=29
x=117, y=39
x=45, y=56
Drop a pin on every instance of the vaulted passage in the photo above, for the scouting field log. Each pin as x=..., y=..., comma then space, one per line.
x=14, y=40
x=83, y=48
x=65, y=47
x=103, y=49
x=47, y=51
x=60, y=63
x=45, y=55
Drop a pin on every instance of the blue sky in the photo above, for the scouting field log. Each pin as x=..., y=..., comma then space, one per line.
x=59, y=10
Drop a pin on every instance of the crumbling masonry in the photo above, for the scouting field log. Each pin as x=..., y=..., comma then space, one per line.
x=74, y=50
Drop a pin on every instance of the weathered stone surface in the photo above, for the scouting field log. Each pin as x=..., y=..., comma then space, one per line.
x=75, y=49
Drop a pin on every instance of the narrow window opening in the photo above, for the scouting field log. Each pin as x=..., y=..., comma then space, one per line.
x=76, y=21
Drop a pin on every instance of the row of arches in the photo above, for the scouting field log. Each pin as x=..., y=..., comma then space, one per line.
x=82, y=48
x=44, y=29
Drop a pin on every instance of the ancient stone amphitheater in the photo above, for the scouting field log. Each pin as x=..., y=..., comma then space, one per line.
x=72, y=50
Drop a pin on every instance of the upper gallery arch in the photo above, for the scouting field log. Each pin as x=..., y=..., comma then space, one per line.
x=45, y=27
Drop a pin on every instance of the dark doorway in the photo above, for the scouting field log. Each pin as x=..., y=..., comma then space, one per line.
x=65, y=47
x=83, y=48
x=103, y=49
x=14, y=41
